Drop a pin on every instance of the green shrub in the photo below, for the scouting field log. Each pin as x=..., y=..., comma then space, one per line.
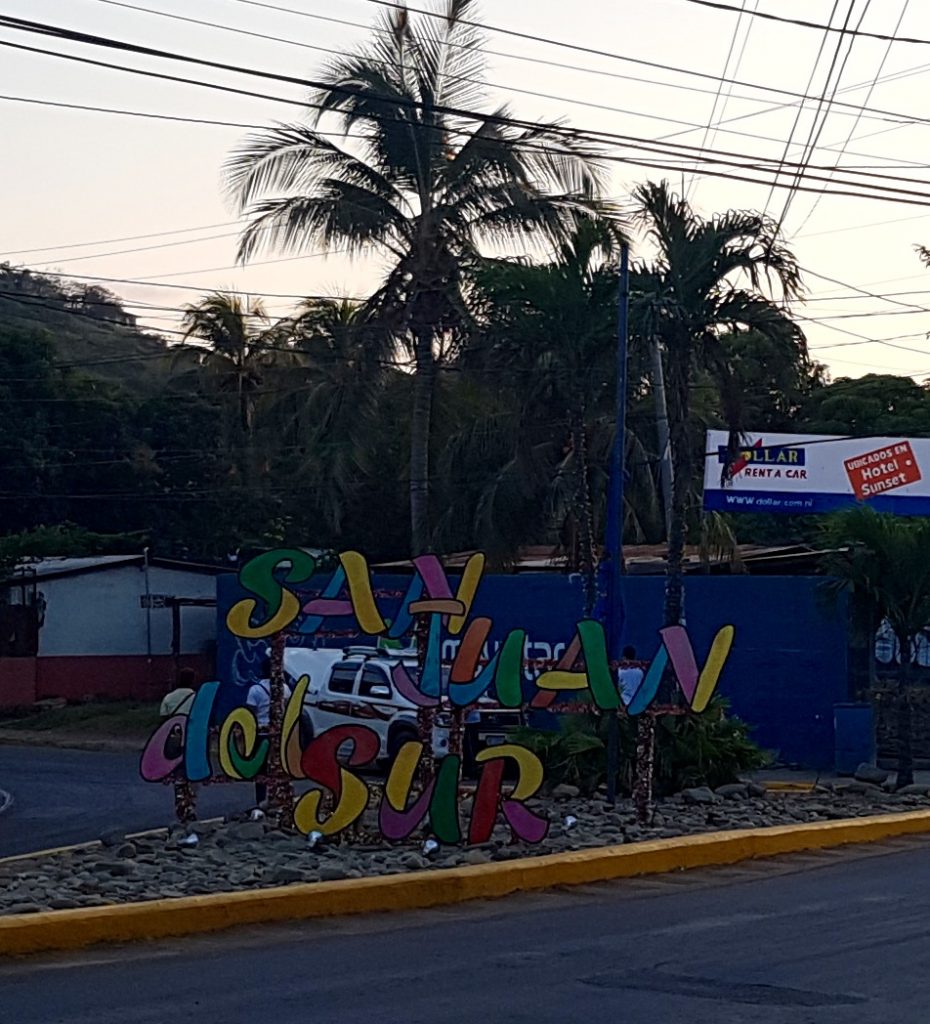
x=575, y=754
x=710, y=749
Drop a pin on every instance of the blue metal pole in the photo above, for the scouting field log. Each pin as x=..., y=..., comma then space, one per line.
x=613, y=547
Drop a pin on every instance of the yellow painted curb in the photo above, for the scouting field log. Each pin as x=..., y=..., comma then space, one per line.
x=73, y=929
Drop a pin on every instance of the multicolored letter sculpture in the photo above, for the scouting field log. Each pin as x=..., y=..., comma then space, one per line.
x=276, y=607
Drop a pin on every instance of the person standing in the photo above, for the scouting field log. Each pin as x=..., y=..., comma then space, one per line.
x=629, y=676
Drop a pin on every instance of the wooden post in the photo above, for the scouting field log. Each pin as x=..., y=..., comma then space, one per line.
x=426, y=717
x=185, y=801
x=645, y=767
x=280, y=791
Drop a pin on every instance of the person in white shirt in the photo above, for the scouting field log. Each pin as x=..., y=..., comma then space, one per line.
x=258, y=701
x=630, y=677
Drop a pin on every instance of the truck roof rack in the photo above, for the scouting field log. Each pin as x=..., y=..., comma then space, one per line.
x=361, y=652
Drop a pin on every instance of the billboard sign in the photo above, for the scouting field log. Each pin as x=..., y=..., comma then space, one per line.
x=804, y=474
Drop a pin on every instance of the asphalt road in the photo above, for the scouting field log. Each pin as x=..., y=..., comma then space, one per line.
x=71, y=796
x=835, y=937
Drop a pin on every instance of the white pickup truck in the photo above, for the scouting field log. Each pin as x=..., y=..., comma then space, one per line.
x=354, y=686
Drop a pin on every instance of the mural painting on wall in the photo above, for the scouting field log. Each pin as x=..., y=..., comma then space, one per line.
x=509, y=774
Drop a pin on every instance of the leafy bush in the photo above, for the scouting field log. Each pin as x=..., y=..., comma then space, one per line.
x=575, y=754
x=710, y=749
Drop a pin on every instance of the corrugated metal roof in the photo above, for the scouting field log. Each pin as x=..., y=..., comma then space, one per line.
x=55, y=565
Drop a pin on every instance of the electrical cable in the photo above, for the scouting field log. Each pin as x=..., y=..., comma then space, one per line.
x=598, y=137
x=115, y=241
x=716, y=127
x=504, y=88
x=720, y=85
x=798, y=113
x=59, y=32
x=855, y=123
x=818, y=122
x=800, y=22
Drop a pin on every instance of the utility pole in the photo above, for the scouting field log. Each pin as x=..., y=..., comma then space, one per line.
x=613, y=547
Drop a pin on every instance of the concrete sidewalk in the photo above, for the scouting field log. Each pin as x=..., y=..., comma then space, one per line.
x=768, y=776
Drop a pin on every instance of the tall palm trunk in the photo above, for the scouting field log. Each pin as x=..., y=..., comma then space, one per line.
x=421, y=417
x=678, y=387
x=679, y=371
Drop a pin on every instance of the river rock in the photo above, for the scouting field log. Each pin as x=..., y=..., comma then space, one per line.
x=564, y=791
x=413, y=862
x=285, y=875
x=333, y=872
x=869, y=773
x=64, y=903
x=699, y=795
x=915, y=789
x=865, y=788
x=247, y=830
x=112, y=837
x=733, y=791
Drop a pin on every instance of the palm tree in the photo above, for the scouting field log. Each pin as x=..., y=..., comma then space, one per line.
x=705, y=286
x=551, y=328
x=329, y=410
x=432, y=182
x=884, y=561
x=237, y=352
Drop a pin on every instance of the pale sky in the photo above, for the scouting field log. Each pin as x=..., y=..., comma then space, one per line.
x=68, y=177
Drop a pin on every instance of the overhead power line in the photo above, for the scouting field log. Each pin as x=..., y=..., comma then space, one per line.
x=503, y=87
x=855, y=124
x=115, y=241
x=799, y=112
x=822, y=113
x=588, y=69
x=800, y=22
x=587, y=50
x=713, y=110
x=598, y=138
x=140, y=282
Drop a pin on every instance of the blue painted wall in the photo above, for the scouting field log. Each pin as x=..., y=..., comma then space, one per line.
x=786, y=671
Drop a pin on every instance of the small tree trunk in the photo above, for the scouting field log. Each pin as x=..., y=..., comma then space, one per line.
x=421, y=417
x=905, y=739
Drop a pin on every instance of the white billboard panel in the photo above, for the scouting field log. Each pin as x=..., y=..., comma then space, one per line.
x=804, y=474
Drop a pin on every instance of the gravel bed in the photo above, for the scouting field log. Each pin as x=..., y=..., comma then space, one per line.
x=243, y=854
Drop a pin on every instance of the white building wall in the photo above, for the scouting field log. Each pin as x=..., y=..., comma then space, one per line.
x=101, y=613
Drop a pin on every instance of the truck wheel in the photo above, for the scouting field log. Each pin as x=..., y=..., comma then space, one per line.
x=306, y=732
x=397, y=738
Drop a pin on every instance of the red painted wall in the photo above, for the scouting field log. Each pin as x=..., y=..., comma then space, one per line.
x=119, y=677
x=17, y=682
